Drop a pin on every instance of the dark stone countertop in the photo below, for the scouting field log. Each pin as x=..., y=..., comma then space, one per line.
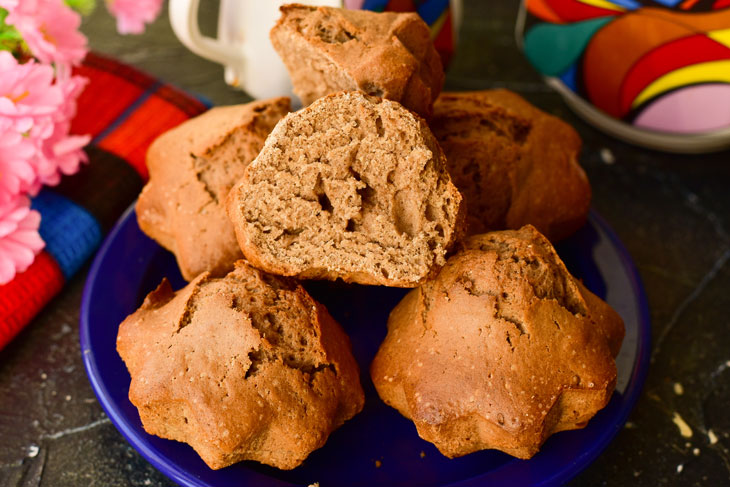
x=671, y=212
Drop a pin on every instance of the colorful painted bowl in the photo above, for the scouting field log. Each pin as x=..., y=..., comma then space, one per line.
x=653, y=73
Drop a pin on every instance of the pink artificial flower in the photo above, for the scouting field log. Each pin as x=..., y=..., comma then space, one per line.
x=17, y=174
x=61, y=153
x=27, y=92
x=132, y=15
x=71, y=88
x=50, y=28
x=36, y=115
x=19, y=238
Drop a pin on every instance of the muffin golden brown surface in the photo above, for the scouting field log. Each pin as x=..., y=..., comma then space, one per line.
x=387, y=54
x=245, y=367
x=192, y=168
x=514, y=164
x=501, y=350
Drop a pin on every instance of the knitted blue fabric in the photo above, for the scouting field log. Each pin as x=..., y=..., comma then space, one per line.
x=71, y=233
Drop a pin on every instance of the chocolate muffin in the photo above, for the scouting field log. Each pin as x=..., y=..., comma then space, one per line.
x=244, y=367
x=514, y=164
x=501, y=350
x=192, y=168
x=385, y=54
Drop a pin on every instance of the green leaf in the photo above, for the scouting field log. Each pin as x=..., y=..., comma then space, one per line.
x=84, y=7
x=9, y=37
x=3, y=14
x=11, y=40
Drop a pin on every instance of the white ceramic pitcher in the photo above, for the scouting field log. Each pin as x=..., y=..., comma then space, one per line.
x=243, y=44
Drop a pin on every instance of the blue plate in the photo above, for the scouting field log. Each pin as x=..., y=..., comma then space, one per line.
x=129, y=265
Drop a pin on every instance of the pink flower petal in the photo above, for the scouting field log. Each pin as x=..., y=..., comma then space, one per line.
x=19, y=238
x=70, y=144
x=31, y=221
x=29, y=239
x=22, y=255
x=50, y=28
x=7, y=228
x=132, y=15
x=7, y=269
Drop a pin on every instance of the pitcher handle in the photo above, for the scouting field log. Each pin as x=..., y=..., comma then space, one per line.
x=184, y=21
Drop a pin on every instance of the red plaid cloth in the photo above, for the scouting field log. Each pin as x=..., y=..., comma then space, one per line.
x=124, y=110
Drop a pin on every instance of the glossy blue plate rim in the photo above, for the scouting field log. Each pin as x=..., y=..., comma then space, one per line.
x=184, y=475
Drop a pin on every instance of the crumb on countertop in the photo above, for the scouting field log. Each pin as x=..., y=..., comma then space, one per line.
x=712, y=437
x=684, y=428
x=607, y=156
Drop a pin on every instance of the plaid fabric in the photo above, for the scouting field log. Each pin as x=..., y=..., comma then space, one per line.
x=124, y=110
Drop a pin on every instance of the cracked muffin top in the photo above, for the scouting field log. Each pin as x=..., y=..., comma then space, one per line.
x=244, y=367
x=192, y=168
x=501, y=350
x=384, y=54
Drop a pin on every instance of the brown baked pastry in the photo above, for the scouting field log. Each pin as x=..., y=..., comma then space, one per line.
x=352, y=187
x=501, y=350
x=515, y=164
x=192, y=167
x=245, y=367
x=387, y=54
